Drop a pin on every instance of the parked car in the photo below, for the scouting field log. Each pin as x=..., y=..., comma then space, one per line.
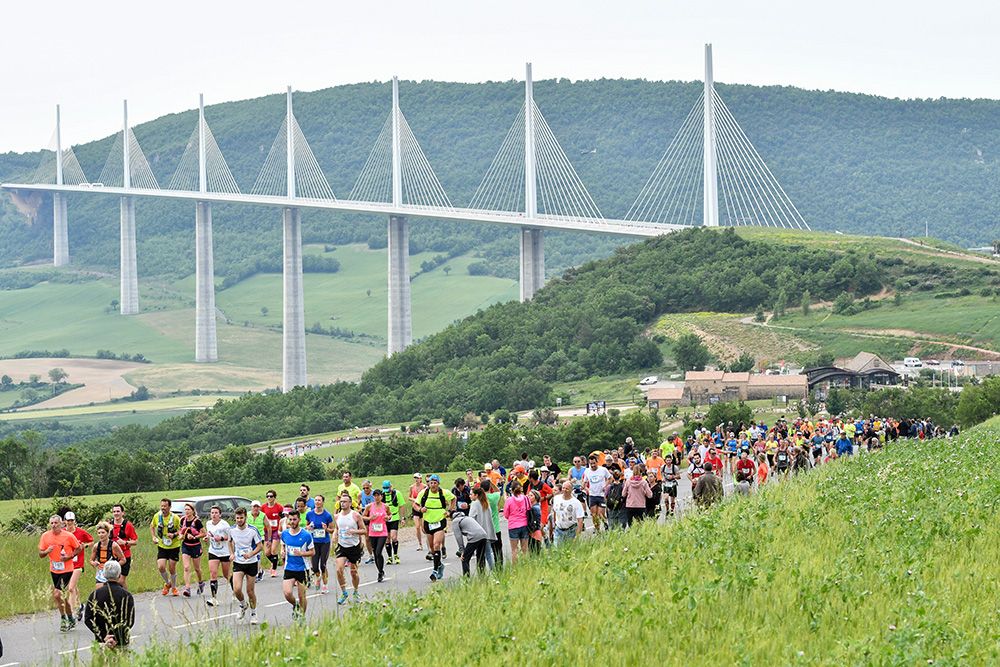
x=957, y=362
x=652, y=379
x=912, y=362
x=203, y=505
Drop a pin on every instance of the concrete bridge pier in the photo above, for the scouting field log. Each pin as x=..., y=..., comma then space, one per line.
x=532, y=262
x=60, y=230
x=129, y=301
x=205, y=340
x=294, y=322
x=400, y=316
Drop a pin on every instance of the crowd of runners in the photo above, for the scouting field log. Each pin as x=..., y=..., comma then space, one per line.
x=542, y=504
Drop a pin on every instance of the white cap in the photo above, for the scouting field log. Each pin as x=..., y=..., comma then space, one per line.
x=488, y=466
x=256, y=503
x=69, y=517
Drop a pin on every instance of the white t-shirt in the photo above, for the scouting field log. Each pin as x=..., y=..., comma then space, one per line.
x=566, y=511
x=598, y=480
x=220, y=531
x=245, y=540
x=703, y=451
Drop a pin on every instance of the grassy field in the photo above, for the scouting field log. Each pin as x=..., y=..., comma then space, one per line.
x=610, y=388
x=886, y=559
x=172, y=404
x=341, y=299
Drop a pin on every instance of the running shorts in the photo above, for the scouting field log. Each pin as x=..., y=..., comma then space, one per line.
x=168, y=554
x=221, y=559
x=443, y=523
x=127, y=566
x=417, y=515
x=392, y=525
x=352, y=554
x=596, y=501
x=671, y=491
x=191, y=550
x=60, y=580
x=249, y=569
x=297, y=575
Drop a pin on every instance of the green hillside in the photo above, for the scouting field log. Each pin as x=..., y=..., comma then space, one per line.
x=854, y=163
x=852, y=563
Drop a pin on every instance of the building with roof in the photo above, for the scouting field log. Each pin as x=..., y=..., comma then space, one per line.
x=712, y=386
x=863, y=371
x=664, y=397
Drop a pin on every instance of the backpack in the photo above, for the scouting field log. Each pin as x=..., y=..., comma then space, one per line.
x=614, y=498
x=423, y=498
x=534, y=521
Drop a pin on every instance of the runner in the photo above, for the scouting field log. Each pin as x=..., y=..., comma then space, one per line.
x=61, y=547
x=568, y=511
x=319, y=522
x=416, y=489
x=434, y=504
x=306, y=492
x=351, y=489
x=245, y=546
x=125, y=536
x=746, y=471
x=595, y=482
x=218, y=552
x=762, y=470
x=85, y=538
x=782, y=459
x=165, y=529
x=298, y=545
x=376, y=515
x=104, y=550
x=350, y=530
x=671, y=474
x=391, y=499
x=366, y=499
x=274, y=512
x=192, y=533
x=258, y=520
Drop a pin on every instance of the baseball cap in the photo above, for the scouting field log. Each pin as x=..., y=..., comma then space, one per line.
x=386, y=484
x=255, y=503
x=69, y=517
x=417, y=475
x=434, y=478
x=488, y=466
x=544, y=469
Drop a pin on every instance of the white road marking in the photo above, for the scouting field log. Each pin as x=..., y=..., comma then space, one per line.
x=427, y=569
x=72, y=650
x=204, y=620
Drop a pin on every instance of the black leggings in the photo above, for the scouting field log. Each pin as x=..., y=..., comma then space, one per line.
x=320, y=557
x=378, y=543
x=634, y=513
x=497, y=546
x=477, y=549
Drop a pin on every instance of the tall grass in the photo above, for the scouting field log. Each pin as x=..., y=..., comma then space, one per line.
x=890, y=558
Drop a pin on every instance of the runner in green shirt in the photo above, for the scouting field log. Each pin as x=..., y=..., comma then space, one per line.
x=351, y=489
x=165, y=529
x=258, y=520
x=392, y=500
x=435, y=503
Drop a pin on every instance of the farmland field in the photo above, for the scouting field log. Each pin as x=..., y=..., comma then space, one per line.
x=888, y=558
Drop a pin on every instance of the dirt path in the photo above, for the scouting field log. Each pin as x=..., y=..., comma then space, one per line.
x=102, y=379
x=937, y=252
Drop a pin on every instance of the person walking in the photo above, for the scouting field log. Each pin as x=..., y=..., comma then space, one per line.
x=110, y=610
x=636, y=493
x=568, y=511
x=515, y=510
x=493, y=495
x=708, y=490
x=482, y=514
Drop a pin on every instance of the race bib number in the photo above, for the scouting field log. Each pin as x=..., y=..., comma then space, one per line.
x=434, y=526
x=167, y=541
x=319, y=533
x=294, y=551
x=58, y=566
x=273, y=523
x=344, y=534
x=670, y=482
x=378, y=527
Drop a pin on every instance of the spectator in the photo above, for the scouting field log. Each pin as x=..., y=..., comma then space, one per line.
x=110, y=610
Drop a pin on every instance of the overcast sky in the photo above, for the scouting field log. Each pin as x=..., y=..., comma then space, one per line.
x=88, y=56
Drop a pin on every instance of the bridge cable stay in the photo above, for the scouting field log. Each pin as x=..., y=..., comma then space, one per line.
x=421, y=186
x=46, y=171
x=750, y=193
x=217, y=174
x=561, y=192
x=140, y=173
x=310, y=181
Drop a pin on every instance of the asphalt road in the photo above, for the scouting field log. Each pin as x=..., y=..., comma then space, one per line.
x=36, y=639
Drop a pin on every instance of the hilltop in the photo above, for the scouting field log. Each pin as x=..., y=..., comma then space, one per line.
x=852, y=163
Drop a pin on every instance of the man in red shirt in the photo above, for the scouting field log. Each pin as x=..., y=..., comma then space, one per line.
x=123, y=534
x=84, y=538
x=61, y=548
x=745, y=468
x=273, y=511
x=716, y=461
x=545, y=493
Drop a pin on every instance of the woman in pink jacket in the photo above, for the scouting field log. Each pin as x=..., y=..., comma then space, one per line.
x=636, y=491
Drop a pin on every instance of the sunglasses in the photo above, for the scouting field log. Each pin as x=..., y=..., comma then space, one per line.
x=270, y=495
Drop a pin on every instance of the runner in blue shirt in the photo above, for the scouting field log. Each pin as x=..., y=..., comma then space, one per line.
x=298, y=544
x=319, y=522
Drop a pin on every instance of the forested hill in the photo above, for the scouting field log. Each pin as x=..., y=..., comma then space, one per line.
x=850, y=163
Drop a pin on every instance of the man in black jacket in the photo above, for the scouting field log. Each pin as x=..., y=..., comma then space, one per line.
x=110, y=610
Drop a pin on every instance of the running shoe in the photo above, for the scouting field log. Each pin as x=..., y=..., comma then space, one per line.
x=63, y=625
x=70, y=624
x=211, y=602
x=369, y=560
x=434, y=575
x=429, y=556
x=274, y=573
x=186, y=592
x=79, y=613
x=242, y=612
x=356, y=598
x=324, y=590
x=381, y=577
x=343, y=598
x=419, y=548
x=318, y=583
x=166, y=589
x=444, y=552
x=260, y=575
x=174, y=591
x=253, y=617
x=395, y=559
x=201, y=587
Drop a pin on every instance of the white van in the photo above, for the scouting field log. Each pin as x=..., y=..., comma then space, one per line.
x=912, y=362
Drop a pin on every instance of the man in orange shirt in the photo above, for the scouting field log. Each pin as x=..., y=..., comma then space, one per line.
x=655, y=464
x=61, y=547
